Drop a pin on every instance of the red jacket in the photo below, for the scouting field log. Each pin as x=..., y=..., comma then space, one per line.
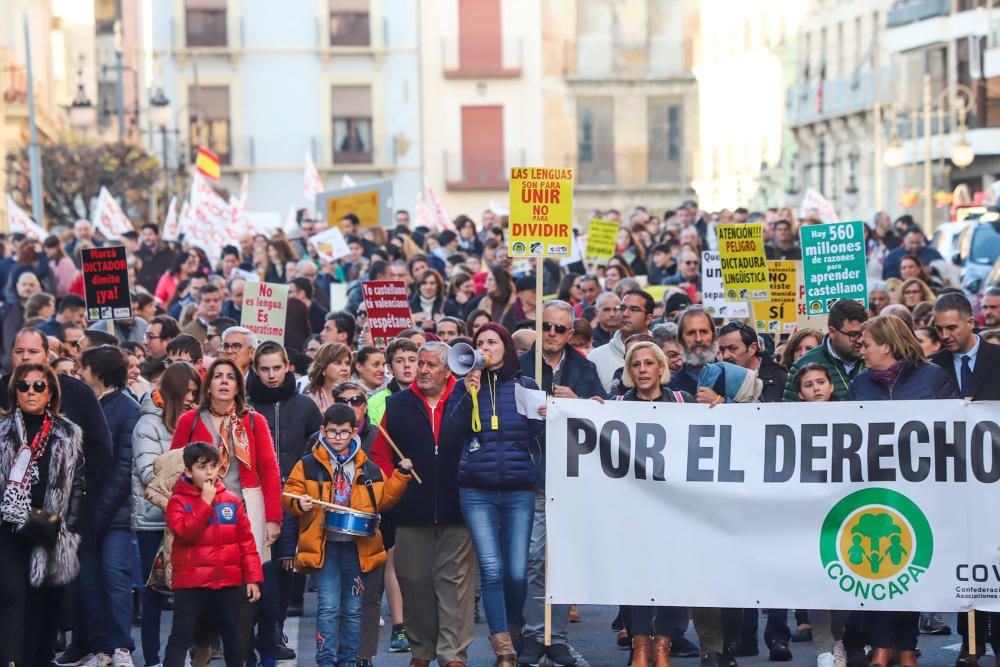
x=213, y=544
x=263, y=471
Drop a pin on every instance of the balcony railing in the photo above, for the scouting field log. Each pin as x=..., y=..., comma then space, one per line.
x=904, y=12
x=840, y=96
x=475, y=172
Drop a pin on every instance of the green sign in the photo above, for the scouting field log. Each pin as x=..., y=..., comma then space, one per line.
x=833, y=263
x=601, y=239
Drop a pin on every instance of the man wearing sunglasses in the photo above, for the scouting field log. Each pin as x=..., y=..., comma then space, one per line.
x=840, y=352
x=636, y=313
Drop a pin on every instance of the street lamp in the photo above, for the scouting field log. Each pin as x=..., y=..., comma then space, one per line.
x=160, y=112
x=82, y=113
x=894, y=154
x=962, y=155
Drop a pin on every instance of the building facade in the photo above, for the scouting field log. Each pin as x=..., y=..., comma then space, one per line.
x=264, y=83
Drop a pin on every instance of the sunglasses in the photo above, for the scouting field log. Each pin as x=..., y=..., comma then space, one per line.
x=353, y=401
x=38, y=385
x=559, y=328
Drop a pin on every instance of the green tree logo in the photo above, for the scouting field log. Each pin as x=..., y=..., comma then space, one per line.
x=875, y=528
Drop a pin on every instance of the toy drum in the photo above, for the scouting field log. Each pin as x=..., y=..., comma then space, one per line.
x=346, y=521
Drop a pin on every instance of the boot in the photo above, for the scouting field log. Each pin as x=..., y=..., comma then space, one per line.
x=503, y=648
x=907, y=658
x=881, y=657
x=640, y=651
x=661, y=651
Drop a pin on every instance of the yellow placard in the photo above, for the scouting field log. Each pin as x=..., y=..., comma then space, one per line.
x=601, y=239
x=804, y=320
x=362, y=204
x=779, y=315
x=744, y=266
x=541, y=212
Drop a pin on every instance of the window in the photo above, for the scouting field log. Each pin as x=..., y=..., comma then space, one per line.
x=666, y=143
x=349, y=23
x=205, y=22
x=482, y=149
x=479, y=35
x=209, y=121
x=595, y=141
x=352, y=125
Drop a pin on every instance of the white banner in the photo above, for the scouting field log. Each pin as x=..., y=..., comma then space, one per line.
x=713, y=296
x=19, y=221
x=109, y=218
x=878, y=505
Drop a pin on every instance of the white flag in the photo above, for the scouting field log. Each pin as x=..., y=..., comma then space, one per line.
x=814, y=200
x=171, y=226
x=19, y=221
x=443, y=221
x=109, y=218
x=330, y=244
x=313, y=183
x=347, y=181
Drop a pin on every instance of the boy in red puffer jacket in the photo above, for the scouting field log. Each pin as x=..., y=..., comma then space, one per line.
x=215, y=559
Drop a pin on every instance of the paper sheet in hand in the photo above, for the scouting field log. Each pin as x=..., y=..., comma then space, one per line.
x=528, y=401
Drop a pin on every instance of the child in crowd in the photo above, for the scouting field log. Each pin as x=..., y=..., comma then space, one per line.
x=215, y=559
x=338, y=472
x=813, y=385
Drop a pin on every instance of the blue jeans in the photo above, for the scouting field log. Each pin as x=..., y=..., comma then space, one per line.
x=500, y=525
x=149, y=544
x=338, y=612
x=106, y=587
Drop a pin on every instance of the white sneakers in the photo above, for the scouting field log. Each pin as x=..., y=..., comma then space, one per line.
x=121, y=658
x=825, y=660
x=98, y=660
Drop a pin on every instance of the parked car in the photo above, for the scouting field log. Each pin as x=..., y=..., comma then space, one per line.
x=946, y=237
x=978, y=249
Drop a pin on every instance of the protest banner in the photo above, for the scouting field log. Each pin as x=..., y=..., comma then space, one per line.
x=713, y=297
x=312, y=182
x=265, y=306
x=601, y=239
x=875, y=505
x=330, y=244
x=388, y=307
x=371, y=202
x=20, y=222
x=109, y=218
x=779, y=315
x=744, y=266
x=541, y=212
x=833, y=265
x=105, y=283
x=814, y=203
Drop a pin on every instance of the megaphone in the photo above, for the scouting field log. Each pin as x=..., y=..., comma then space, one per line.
x=464, y=358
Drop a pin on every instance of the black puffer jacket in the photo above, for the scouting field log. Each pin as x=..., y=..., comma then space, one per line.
x=114, y=507
x=292, y=418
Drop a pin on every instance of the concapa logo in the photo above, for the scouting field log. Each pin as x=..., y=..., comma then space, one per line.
x=875, y=544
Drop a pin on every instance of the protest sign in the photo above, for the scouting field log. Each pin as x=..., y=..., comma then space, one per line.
x=388, y=307
x=330, y=244
x=814, y=203
x=105, y=283
x=601, y=239
x=713, y=297
x=264, y=310
x=371, y=202
x=833, y=265
x=744, y=267
x=109, y=218
x=779, y=315
x=804, y=320
x=875, y=506
x=541, y=212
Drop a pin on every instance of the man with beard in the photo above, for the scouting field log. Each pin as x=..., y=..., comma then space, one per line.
x=699, y=348
x=26, y=286
x=840, y=352
x=636, y=311
x=991, y=308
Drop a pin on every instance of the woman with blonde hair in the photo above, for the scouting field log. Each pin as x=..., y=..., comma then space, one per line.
x=331, y=366
x=913, y=292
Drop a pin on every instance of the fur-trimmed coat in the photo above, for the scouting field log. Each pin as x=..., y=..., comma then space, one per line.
x=64, y=496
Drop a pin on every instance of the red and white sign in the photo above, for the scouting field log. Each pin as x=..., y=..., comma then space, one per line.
x=388, y=307
x=814, y=200
x=19, y=221
x=109, y=218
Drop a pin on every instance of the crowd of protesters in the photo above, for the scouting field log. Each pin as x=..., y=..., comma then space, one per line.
x=176, y=445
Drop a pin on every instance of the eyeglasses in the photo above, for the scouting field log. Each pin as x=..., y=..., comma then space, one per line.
x=853, y=336
x=232, y=347
x=39, y=386
x=354, y=401
x=333, y=434
x=152, y=337
x=559, y=328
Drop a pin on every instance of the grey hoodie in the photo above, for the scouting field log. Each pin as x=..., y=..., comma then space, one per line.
x=150, y=439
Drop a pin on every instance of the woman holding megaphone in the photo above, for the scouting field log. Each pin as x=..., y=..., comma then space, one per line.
x=497, y=477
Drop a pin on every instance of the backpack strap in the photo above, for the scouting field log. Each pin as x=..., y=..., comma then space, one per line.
x=194, y=425
x=678, y=397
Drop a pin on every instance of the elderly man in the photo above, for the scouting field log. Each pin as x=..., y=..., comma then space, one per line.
x=239, y=344
x=636, y=312
x=434, y=556
x=83, y=233
x=878, y=297
x=608, y=317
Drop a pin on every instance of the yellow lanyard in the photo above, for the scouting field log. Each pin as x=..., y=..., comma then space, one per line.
x=494, y=421
x=477, y=425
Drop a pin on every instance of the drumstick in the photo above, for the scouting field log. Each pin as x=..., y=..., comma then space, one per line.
x=398, y=453
x=330, y=506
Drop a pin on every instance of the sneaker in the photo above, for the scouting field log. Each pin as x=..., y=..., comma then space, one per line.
x=839, y=654
x=931, y=624
x=99, y=660
x=825, y=660
x=682, y=647
x=73, y=656
x=560, y=655
x=399, y=643
x=122, y=657
x=531, y=654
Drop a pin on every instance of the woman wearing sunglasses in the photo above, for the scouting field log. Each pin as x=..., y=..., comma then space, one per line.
x=42, y=469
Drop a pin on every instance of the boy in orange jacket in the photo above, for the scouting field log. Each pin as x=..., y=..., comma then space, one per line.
x=214, y=558
x=338, y=472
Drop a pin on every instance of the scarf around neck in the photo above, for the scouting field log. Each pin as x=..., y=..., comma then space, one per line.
x=888, y=377
x=24, y=471
x=342, y=479
x=233, y=435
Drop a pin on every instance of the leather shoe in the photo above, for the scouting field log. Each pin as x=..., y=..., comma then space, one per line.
x=779, y=652
x=741, y=649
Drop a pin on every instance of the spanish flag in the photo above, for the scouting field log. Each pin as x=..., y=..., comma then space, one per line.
x=208, y=164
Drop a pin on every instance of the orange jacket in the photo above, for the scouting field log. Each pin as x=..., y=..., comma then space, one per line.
x=312, y=529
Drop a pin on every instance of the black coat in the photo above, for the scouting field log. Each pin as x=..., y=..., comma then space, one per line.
x=578, y=373
x=80, y=406
x=114, y=507
x=914, y=383
x=985, y=376
x=292, y=418
x=155, y=262
x=773, y=375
